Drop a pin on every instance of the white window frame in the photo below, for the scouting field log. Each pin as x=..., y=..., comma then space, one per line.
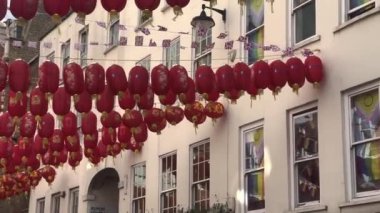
x=347, y=11
x=65, y=53
x=145, y=62
x=74, y=200
x=54, y=198
x=207, y=180
x=293, y=21
x=40, y=203
x=113, y=32
x=349, y=151
x=83, y=46
x=244, y=129
x=293, y=114
x=162, y=176
x=141, y=198
x=172, y=54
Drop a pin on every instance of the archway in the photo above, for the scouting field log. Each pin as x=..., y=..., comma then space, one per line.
x=104, y=192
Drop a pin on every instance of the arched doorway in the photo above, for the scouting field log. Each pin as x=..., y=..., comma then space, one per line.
x=104, y=192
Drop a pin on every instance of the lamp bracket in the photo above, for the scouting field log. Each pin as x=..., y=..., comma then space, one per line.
x=222, y=12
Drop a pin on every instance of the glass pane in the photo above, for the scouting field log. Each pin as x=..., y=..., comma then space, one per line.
x=255, y=14
x=305, y=21
x=356, y=3
x=255, y=190
x=298, y=2
x=254, y=148
x=174, y=162
x=257, y=38
x=201, y=171
x=306, y=135
x=365, y=115
x=195, y=173
x=308, y=181
x=195, y=155
x=367, y=166
x=207, y=170
x=207, y=150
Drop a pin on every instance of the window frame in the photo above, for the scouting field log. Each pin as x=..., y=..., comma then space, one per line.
x=113, y=32
x=201, y=55
x=54, y=198
x=350, y=143
x=243, y=171
x=168, y=52
x=347, y=11
x=65, y=53
x=38, y=205
x=163, y=192
x=148, y=60
x=207, y=180
x=72, y=201
x=293, y=21
x=83, y=47
x=292, y=115
x=141, y=198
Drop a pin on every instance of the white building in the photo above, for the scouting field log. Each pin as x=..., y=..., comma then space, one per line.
x=316, y=151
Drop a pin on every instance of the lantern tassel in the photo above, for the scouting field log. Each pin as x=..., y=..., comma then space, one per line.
x=146, y=14
x=296, y=88
x=114, y=15
x=56, y=18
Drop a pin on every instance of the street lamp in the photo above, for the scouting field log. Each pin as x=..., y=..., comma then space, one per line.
x=206, y=22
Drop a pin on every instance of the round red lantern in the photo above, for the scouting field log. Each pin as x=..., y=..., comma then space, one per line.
x=214, y=110
x=260, y=75
x=132, y=118
x=157, y=127
x=147, y=7
x=234, y=95
x=3, y=69
x=204, y=79
x=57, y=141
x=90, y=140
x=73, y=78
x=124, y=135
x=106, y=101
x=177, y=5
x=147, y=100
x=115, y=150
x=195, y=113
x=33, y=163
x=35, y=178
x=138, y=81
x=72, y=143
x=102, y=149
x=314, y=69
x=3, y=9
x=242, y=76
x=83, y=7
x=225, y=79
x=126, y=100
x=25, y=147
x=108, y=136
x=19, y=75
x=28, y=125
x=46, y=127
x=160, y=79
x=6, y=125
x=213, y=95
x=83, y=102
x=114, y=6
x=61, y=102
x=178, y=79
x=116, y=79
x=75, y=158
x=89, y=123
x=174, y=114
x=94, y=79
x=154, y=115
x=279, y=75
x=169, y=99
x=140, y=133
x=57, y=8
x=48, y=173
x=48, y=80
x=296, y=73
x=38, y=103
x=95, y=157
x=23, y=10
x=69, y=124
x=189, y=96
x=111, y=120
x=17, y=104
x=40, y=146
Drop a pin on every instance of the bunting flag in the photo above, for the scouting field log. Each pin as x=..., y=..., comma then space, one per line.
x=242, y=39
x=17, y=43
x=80, y=20
x=166, y=43
x=144, y=30
x=266, y=48
x=184, y=33
x=306, y=52
x=152, y=43
x=33, y=44
x=248, y=45
x=194, y=44
x=229, y=45
x=210, y=46
x=288, y=52
x=101, y=24
x=94, y=43
x=222, y=36
x=123, y=41
x=139, y=41
x=202, y=32
x=161, y=28
x=122, y=27
x=47, y=45
x=275, y=48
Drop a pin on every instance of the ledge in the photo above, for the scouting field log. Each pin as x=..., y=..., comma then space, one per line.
x=359, y=202
x=110, y=48
x=306, y=42
x=358, y=18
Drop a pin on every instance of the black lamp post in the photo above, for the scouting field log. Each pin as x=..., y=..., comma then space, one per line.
x=206, y=22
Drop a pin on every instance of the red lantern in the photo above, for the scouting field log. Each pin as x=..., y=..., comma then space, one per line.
x=111, y=120
x=25, y=147
x=48, y=173
x=75, y=158
x=314, y=69
x=19, y=75
x=40, y=146
x=114, y=6
x=296, y=73
x=106, y=101
x=17, y=104
x=204, y=79
x=154, y=115
x=6, y=150
x=73, y=78
x=178, y=5
x=95, y=79
x=213, y=95
x=57, y=8
x=3, y=66
x=69, y=124
x=115, y=150
x=234, y=95
x=174, y=114
x=242, y=75
x=140, y=133
x=83, y=7
x=279, y=75
x=83, y=103
x=132, y=118
x=157, y=127
x=35, y=177
x=102, y=149
x=62, y=157
x=46, y=127
x=178, y=79
x=214, y=110
x=48, y=80
x=108, y=136
x=195, y=113
x=3, y=9
x=57, y=141
x=33, y=163
x=38, y=103
x=126, y=100
x=160, y=80
x=138, y=81
x=90, y=140
x=6, y=125
x=72, y=143
x=24, y=10
x=124, y=135
x=147, y=6
x=95, y=157
x=168, y=99
x=189, y=96
x=147, y=100
x=89, y=123
x=116, y=79
x=225, y=79
x=61, y=102
x=28, y=125
x=260, y=75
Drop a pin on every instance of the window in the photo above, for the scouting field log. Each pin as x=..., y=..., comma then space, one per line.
x=303, y=19
x=113, y=37
x=55, y=202
x=51, y=56
x=200, y=180
x=74, y=200
x=305, y=159
x=253, y=143
x=83, y=46
x=172, y=53
x=203, y=50
x=364, y=121
x=169, y=183
x=357, y=7
x=65, y=52
x=17, y=32
x=145, y=62
x=138, y=200
x=40, y=205
x=255, y=29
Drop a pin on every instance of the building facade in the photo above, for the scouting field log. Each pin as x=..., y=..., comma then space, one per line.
x=315, y=151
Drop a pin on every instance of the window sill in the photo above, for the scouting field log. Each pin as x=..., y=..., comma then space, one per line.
x=357, y=19
x=144, y=24
x=311, y=208
x=306, y=42
x=110, y=48
x=360, y=201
